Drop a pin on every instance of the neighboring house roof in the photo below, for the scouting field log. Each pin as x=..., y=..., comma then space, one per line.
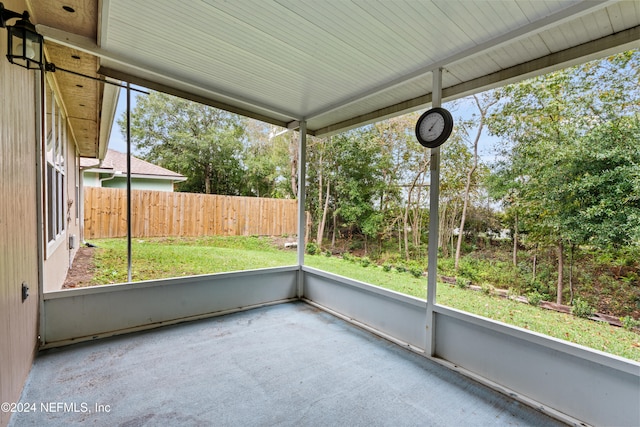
x=116, y=162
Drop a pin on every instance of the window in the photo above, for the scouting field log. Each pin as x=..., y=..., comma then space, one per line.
x=55, y=167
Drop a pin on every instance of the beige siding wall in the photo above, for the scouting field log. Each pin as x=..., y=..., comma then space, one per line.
x=18, y=234
x=56, y=266
x=58, y=256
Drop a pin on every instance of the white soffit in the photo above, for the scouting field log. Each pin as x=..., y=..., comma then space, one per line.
x=340, y=64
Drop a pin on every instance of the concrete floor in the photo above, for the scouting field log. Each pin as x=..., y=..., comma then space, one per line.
x=288, y=364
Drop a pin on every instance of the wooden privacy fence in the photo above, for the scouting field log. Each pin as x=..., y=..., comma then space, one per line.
x=161, y=214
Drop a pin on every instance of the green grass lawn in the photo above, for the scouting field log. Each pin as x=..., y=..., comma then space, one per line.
x=173, y=257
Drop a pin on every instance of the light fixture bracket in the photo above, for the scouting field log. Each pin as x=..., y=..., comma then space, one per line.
x=24, y=44
x=6, y=14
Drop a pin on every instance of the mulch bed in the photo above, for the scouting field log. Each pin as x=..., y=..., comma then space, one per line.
x=82, y=270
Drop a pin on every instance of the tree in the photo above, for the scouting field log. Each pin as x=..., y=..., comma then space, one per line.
x=354, y=178
x=200, y=142
x=413, y=203
x=483, y=109
x=455, y=160
x=267, y=161
x=402, y=165
x=602, y=200
x=544, y=122
x=358, y=181
x=321, y=160
x=400, y=156
x=537, y=118
x=505, y=184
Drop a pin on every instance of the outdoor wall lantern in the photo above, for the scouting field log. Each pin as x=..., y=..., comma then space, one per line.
x=24, y=44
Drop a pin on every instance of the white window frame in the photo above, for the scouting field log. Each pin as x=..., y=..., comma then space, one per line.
x=77, y=188
x=55, y=176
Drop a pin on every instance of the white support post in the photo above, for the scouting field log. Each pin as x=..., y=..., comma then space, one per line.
x=434, y=195
x=40, y=102
x=302, y=218
x=129, y=255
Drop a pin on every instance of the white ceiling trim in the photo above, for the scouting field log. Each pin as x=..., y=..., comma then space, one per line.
x=385, y=63
x=538, y=26
x=605, y=46
x=87, y=45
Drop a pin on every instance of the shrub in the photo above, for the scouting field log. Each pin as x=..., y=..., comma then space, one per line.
x=534, y=298
x=347, y=256
x=629, y=322
x=400, y=268
x=387, y=267
x=487, y=288
x=355, y=245
x=543, y=288
x=327, y=254
x=631, y=279
x=582, y=308
x=416, y=271
x=446, y=266
x=462, y=283
x=365, y=261
x=469, y=268
x=312, y=248
x=388, y=257
x=505, y=275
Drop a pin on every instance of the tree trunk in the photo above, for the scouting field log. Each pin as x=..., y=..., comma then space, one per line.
x=573, y=246
x=333, y=233
x=319, y=230
x=406, y=216
x=417, y=216
x=307, y=230
x=464, y=212
x=415, y=222
x=467, y=187
x=324, y=217
x=207, y=179
x=535, y=262
x=515, y=242
x=405, y=224
x=443, y=236
x=293, y=153
x=560, y=272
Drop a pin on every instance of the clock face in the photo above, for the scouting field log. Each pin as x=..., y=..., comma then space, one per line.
x=431, y=127
x=434, y=127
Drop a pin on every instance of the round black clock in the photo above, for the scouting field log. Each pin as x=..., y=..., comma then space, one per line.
x=434, y=127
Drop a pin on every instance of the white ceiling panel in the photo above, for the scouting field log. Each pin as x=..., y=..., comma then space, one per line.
x=341, y=63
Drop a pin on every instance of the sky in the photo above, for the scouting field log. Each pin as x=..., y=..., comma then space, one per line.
x=464, y=109
x=117, y=141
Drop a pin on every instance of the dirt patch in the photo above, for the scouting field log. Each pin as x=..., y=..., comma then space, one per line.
x=83, y=269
